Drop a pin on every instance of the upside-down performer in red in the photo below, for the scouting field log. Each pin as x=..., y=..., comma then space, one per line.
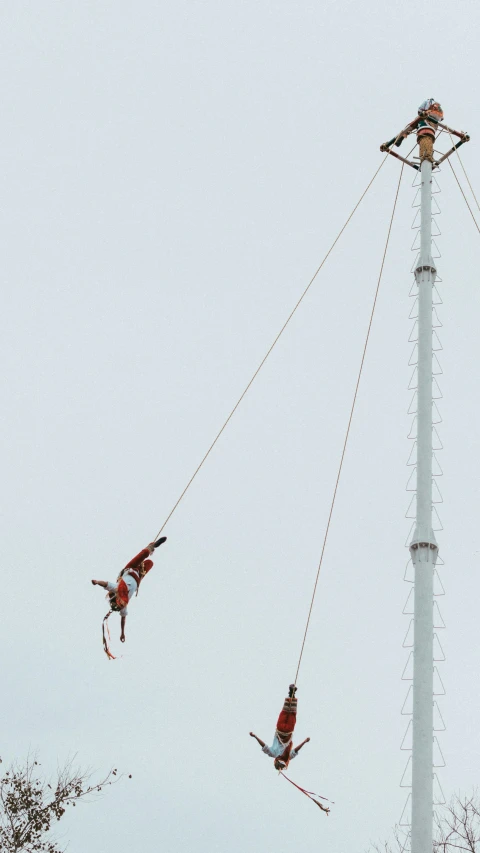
x=125, y=587
x=282, y=750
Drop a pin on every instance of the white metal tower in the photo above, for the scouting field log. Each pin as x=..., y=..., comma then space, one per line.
x=423, y=545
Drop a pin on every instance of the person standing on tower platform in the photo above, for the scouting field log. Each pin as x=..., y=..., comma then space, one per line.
x=431, y=113
x=425, y=124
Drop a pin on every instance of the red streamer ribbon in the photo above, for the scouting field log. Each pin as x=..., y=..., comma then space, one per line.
x=106, y=637
x=310, y=795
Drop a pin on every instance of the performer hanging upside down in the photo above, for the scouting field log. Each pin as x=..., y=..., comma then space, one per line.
x=128, y=583
x=282, y=750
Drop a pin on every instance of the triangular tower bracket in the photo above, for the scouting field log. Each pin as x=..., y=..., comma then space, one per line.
x=412, y=127
x=405, y=816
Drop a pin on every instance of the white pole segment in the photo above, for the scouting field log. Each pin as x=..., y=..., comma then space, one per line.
x=423, y=547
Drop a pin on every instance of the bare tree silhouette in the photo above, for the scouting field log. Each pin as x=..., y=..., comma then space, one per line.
x=30, y=805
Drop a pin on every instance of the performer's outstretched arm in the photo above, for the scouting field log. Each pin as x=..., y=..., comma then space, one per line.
x=298, y=748
x=100, y=583
x=261, y=742
x=122, y=628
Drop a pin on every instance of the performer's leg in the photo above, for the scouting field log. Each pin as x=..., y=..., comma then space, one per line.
x=288, y=716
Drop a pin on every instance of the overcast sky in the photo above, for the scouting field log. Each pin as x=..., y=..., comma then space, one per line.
x=173, y=173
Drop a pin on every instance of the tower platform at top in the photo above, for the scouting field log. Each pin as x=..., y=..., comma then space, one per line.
x=426, y=125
